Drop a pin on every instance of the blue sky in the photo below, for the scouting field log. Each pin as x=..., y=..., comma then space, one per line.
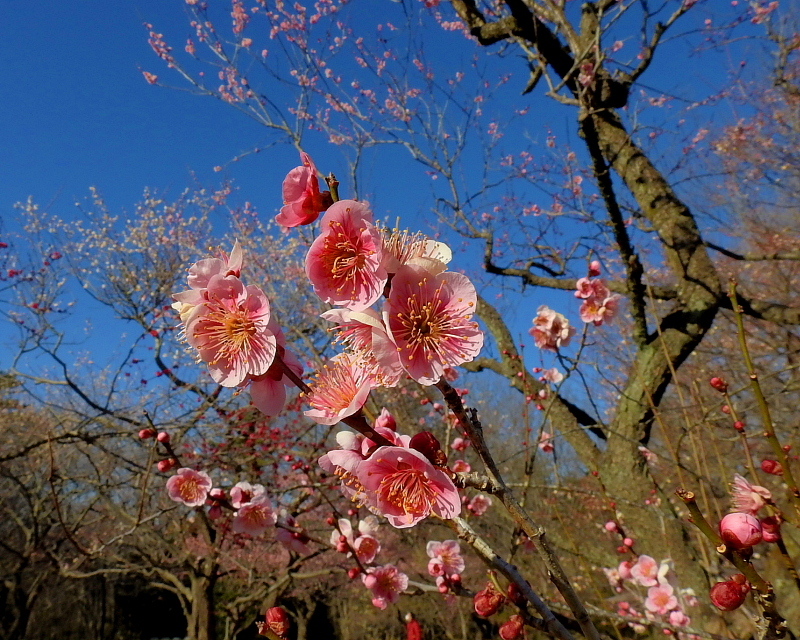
x=77, y=112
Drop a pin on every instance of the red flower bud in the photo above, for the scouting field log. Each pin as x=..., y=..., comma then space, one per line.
x=771, y=528
x=166, y=465
x=740, y=530
x=772, y=466
x=515, y=595
x=489, y=601
x=353, y=573
x=719, y=384
x=725, y=409
x=145, y=434
x=278, y=621
x=163, y=437
x=512, y=628
x=427, y=444
x=739, y=426
x=730, y=595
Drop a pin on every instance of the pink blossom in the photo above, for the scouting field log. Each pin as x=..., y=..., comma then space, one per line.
x=364, y=333
x=660, y=599
x=189, y=487
x=459, y=444
x=624, y=570
x=740, y=530
x=748, y=498
x=551, y=330
x=200, y=274
x=244, y=492
x=599, y=310
x=445, y=558
x=552, y=375
x=254, y=517
x=678, y=618
x=230, y=331
x=385, y=420
x=366, y=548
x=479, y=504
x=429, y=318
x=402, y=485
x=302, y=198
x=645, y=571
x=344, y=262
x=402, y=248
x=546, y=442
x=386, y=583
x=340, y=389
x=461, y=466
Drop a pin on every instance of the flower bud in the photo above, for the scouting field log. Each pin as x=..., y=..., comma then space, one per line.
x=163, y=437
x=489, y=601
x=740, y=530
x=515, y=595
x=739, y=426
x=353, y=573
x=771, y=529
x=427, y=444
x=278, y=622
x=628, y=542
x=145, y=434
x=772, y=467
x=719, y=384
x=166, y=465
x=594, y=268
x=611, y=526
x=512, y=628
x=730, y=595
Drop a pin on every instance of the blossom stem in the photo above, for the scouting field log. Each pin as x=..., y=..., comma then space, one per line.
x=333, y=186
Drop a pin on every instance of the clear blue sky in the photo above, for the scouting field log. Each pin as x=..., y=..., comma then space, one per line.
x=76, y=112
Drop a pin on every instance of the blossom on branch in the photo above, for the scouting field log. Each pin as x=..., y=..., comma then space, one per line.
x=445, y=558
x=339, y=390
x=303, y=200
x=189, y=487
x=254, y=517
x=403, y=486
x=748, y=498
x=386, y=582
x=429, y=318
x=551, y=330
x=344, y=262
x=230, y=330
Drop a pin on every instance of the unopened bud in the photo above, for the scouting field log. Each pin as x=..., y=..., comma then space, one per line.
x=145, y=434
x=166, y=465
x=739, y=426
x=719, y=384
x=353, y=573
x=278, y=621
x=771, y=528
x=489, y=601
x=163, y=437
x=725, y=409
x=512, y=628
x=772, y=467
x=427, y=444
x=740, y=530
x=730, y=595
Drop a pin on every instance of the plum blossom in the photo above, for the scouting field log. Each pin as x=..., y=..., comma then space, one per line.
x=429, y=318
x=402, y=248
x=289, y=536
x=303, y=201
x=386, y=582
x=385, y=420
x=244, y=492
x=230, y=331
x=748, y=498
x=546, y=442
x=365, y=545
x=740, y=530
x=189, y=487
x=200, y=274
x=403, y=486
x=599, y=304
x=254, y=517
x=344, y=262
x=365, y=335
x=479, y=504
x=661, y=599
x=551, y=330
x=445, y=558
x=645, y=571
x=340, y=389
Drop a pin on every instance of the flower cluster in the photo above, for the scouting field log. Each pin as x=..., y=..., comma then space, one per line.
x=599, y=304
x=551, y=330
x=231, y=327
